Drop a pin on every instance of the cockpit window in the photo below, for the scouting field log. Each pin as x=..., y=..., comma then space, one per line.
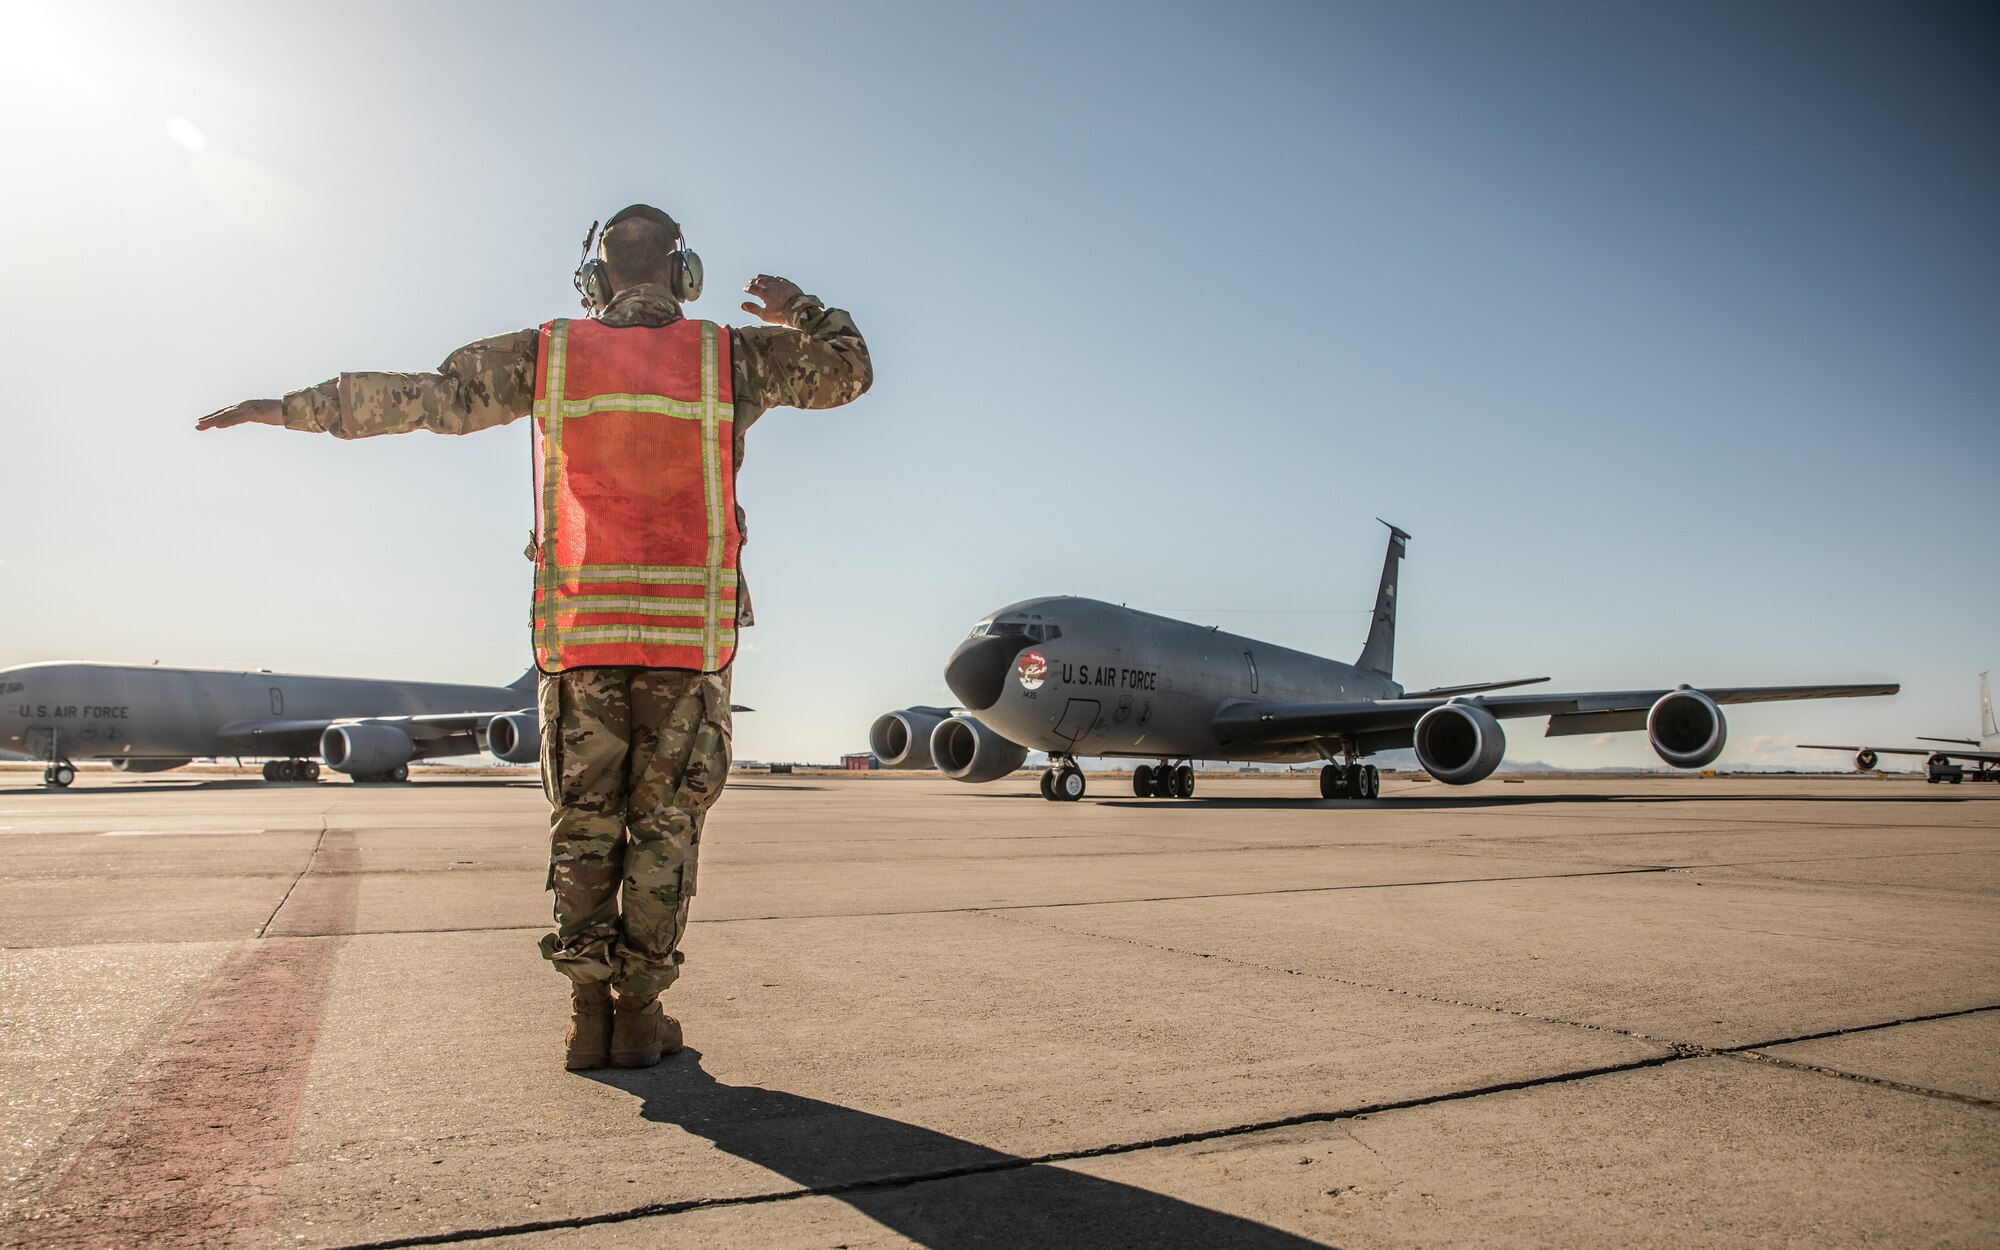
x=1007, y=627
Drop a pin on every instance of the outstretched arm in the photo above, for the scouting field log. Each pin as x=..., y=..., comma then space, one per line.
x=488, y=383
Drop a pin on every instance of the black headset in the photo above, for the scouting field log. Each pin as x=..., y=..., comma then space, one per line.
x=593, y=280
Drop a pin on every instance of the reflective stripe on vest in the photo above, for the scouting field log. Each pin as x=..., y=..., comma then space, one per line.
x=635, y=497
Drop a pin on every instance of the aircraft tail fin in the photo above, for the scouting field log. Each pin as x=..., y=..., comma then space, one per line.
x=527, y=683
x=1986, y=726
x=1378, y=654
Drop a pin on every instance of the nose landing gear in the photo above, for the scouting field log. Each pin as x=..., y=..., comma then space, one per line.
x=59, y=772
x=1063, y=782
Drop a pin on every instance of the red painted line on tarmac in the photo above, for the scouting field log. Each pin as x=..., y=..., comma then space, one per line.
x=194, y=1154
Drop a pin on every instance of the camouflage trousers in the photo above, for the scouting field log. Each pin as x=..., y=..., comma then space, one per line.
x=632, y=759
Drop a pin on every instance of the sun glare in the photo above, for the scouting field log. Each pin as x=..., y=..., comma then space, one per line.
x=186, y=134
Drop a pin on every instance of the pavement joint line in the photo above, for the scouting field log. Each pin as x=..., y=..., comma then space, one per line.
x=312, y=855
x=1922, y=1091
x=1021, y=1163
x=1180, y=898
x=1163, y=1142
x=1378, y=987
x=1690, y=1049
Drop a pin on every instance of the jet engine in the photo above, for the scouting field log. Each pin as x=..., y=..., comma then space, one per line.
x=364, y=749
x=1686, y=728
x=968, y=751
x=1459, y=743
x=129, y=765
x=515, y=738
x=1865, y=760
x=903, y=739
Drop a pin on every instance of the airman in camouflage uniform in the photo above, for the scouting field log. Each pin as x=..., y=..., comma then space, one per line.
x=632, y=758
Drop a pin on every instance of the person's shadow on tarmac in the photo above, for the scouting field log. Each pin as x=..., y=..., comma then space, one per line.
x=864, y=1160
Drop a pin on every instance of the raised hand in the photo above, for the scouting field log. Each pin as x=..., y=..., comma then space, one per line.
x=776, y=293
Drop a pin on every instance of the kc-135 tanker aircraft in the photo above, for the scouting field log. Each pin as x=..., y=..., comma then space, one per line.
x=144, y=719
x=148, y=719
x=1076, y=677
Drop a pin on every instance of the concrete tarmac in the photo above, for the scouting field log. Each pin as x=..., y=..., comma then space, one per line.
x=1579, y=1012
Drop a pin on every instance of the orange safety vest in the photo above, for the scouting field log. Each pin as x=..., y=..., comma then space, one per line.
x=635, y=497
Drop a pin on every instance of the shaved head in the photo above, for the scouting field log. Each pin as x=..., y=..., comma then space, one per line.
x=638, y=245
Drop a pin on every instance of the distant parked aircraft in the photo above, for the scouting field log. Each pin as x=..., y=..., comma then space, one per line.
x=1948, y=765
x=1078, y=677
x=144, y=718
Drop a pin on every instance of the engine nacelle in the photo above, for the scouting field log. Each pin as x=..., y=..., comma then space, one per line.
x=965, y=750
x=127, y=765
x=1686, y=728
x=515, y=738
x=903, y=739
x=362, y=750
x=1459, y=743
x=1865, y=760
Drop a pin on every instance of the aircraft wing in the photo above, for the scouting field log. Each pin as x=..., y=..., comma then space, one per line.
x=427, y=730
x=301, y=737
x=1594, y=712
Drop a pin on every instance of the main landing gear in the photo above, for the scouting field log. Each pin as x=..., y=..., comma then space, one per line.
x=1063, y=782
x=291, y=770
x=1350, y=781
x=1163, y=781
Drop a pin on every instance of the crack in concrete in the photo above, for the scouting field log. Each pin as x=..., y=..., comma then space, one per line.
x=1109, y=1150
x=311, y=855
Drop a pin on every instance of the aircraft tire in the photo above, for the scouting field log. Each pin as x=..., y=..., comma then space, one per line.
x=1371, y=782
x=1331, y=784
x=61, y=775
x=309, y=770
x=1070, y=785
x=1352, y=783
x=1183, y=782
x=1142, y=781
x=400, y=772
x=1163, y=783
x=1049, y=784
x=285, y=770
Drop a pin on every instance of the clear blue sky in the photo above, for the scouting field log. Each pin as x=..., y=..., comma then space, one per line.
x=1669, y=331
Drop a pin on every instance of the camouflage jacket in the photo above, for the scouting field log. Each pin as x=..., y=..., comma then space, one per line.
x=819, y=361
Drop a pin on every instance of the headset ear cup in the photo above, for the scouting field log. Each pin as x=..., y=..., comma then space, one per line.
x=593, y=282
x=685, y=279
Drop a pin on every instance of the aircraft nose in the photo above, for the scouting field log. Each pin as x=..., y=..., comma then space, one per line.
x=977, y=671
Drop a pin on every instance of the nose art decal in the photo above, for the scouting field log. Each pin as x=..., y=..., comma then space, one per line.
x=1033, y=670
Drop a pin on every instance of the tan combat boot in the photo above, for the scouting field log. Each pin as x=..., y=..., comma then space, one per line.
x=588, y=1043
x=641, y=1033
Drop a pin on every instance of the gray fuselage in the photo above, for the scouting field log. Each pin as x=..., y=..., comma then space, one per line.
x=1114, y=681
x=84, y=710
